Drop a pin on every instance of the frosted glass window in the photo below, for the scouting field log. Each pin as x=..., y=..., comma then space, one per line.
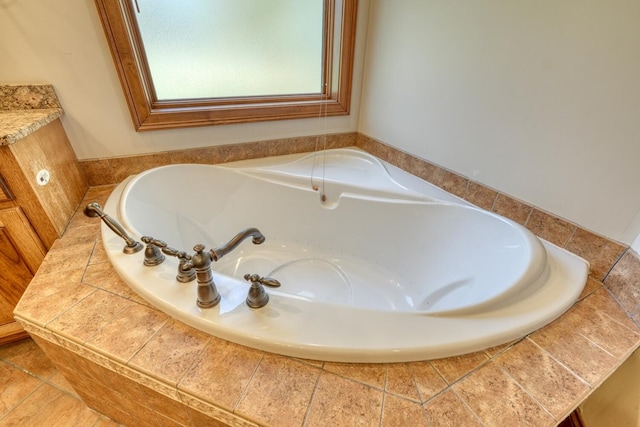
x=232, y=48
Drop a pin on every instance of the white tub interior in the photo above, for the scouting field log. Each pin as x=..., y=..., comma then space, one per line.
x=386, y=268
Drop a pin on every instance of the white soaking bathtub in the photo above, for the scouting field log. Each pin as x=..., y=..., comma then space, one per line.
x=375, y=265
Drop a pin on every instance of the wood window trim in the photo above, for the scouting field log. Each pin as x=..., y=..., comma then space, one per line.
x=148, y=113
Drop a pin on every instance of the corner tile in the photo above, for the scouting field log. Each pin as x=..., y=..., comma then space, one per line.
x=373, y=374
x=550, y=383
x=447, y=410
x=398, y=412
x=499, y=401
x=427, y=379
x=601, y=253
x=127, y=332
x=624, y=281
x=550, y=227
x=171, y=352
x=401, y=382
x=342, y=402
x=454, y=368
x=511, y=208
x=98, y=172
x=584, y=358
x=279, y=392
x=86, y=318
x=222, y=372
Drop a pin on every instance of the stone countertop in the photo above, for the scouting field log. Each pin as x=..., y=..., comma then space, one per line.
x=16, y=124
x=25, y=109
x=77, y=301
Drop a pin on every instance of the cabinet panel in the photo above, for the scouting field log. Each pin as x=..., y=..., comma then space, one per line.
x=5, y=192
x=14, y=277
x=24, y=238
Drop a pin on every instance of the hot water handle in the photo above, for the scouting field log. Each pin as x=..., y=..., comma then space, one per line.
x=258, y=297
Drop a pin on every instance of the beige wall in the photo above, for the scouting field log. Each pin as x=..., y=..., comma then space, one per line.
x=63, y=43
x=538, y=99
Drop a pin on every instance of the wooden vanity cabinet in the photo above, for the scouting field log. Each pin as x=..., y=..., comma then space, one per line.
x=21, y=253
x=33, y=216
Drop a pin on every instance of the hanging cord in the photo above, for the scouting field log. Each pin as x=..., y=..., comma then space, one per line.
x=315, y=187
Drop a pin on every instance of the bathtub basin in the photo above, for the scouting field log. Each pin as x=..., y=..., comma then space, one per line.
x=375, y=264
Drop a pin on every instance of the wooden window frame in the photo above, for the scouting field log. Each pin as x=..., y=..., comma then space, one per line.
x=149, y=113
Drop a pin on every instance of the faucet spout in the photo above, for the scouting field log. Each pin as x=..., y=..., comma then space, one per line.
x=257, y=238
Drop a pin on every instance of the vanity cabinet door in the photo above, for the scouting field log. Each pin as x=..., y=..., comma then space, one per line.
x=14, y=277
x=20, y=255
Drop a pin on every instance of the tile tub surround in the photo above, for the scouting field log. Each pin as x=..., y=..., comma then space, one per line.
x=25, y=109
x=140, y=367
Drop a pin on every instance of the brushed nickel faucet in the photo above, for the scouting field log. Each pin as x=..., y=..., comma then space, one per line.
x=196, y=266
x=208, y=295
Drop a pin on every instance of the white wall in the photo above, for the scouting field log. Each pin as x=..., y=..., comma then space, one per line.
x=63, y=43
x=538, y=99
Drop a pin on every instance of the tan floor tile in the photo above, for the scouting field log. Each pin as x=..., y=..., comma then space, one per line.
x=602, y=300
x=454, y=368
x=16, y=386
x=171, y=351
x=222, y=372
x=103, y=276
x=399, y=412
x=624, y=281
x=600, y=252
x=87, y=317
x=48, y=406
x=372, y=374
x=44, y=284
x=279, y=392
x=41, y=308
x=427, y=379
x=58, y=380
x=584, y=358
x=342, y=402
x=401, y=382
x=600, y=319
x=496, y=350
x=61, y=259
x=127, y=332
x=99, y=255
x=29, y=357
x=448, y=410
x=106, y=422
x=590, y=287
x=498, y=400
x=551, y=384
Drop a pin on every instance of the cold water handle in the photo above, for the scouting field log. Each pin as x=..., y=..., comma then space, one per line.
x=258, y=297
